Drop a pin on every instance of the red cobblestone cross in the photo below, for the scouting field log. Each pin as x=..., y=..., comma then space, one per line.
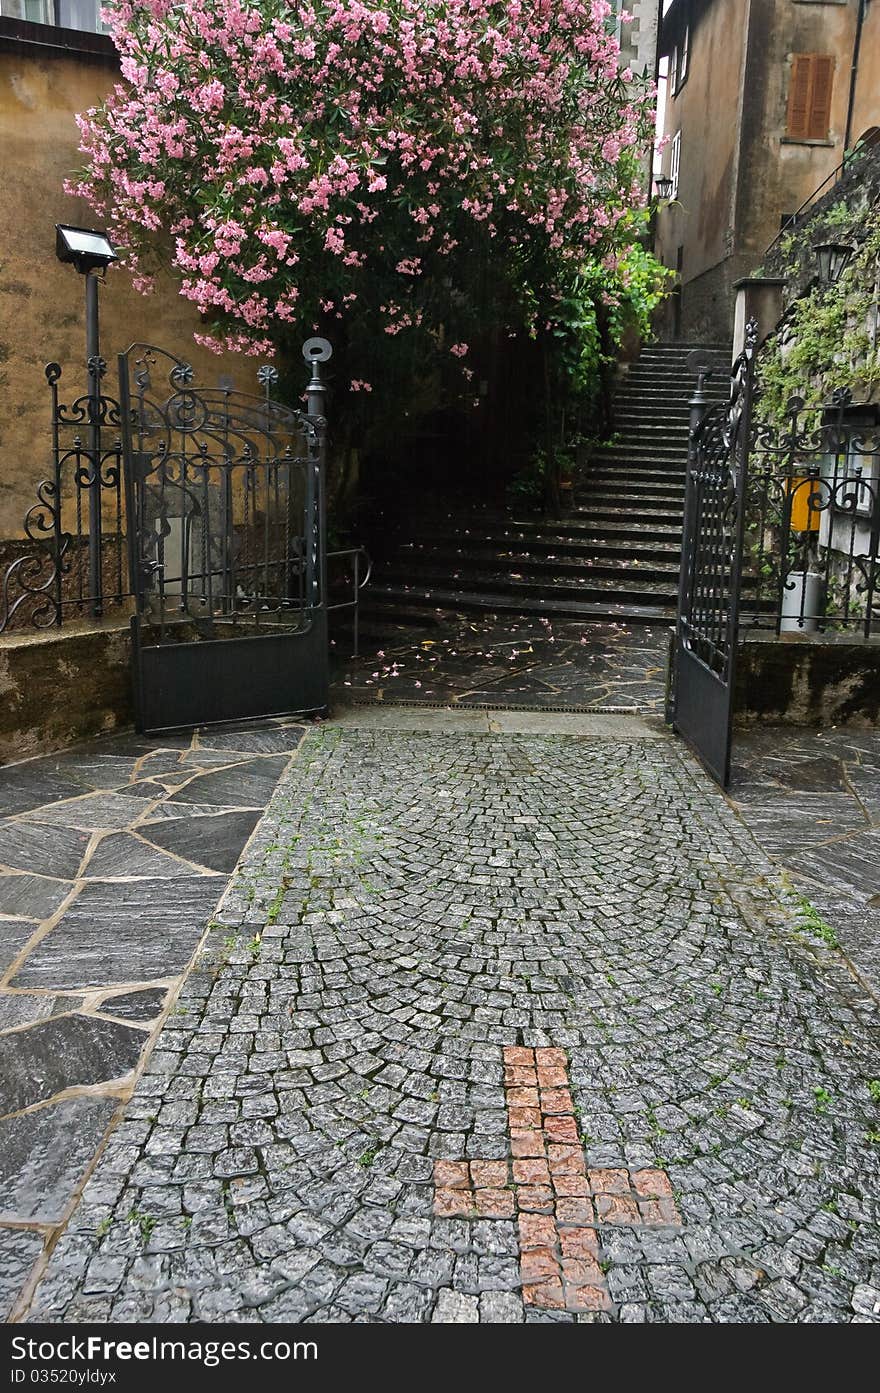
x=559, y=1203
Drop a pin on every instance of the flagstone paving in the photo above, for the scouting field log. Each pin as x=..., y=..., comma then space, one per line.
x=495, y=1025
x=112, y=859
x=486, y=660
x=812, y=799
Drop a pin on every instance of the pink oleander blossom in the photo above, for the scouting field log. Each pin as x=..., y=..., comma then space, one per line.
x=356, y=153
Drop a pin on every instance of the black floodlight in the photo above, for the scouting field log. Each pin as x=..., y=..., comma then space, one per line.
x=83, y=248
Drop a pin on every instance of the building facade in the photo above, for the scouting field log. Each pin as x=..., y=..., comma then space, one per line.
x=763, y=99
x=48, y=73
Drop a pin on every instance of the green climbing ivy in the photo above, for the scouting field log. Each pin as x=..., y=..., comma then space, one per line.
x=830, y=337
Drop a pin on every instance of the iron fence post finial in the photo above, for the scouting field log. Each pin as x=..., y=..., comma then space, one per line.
x=316, y=351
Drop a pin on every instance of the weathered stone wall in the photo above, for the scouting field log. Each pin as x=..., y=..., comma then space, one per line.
x=41, y=301
x=853, y=193
x=820, y=681
x=707, y=300
x=63, y=686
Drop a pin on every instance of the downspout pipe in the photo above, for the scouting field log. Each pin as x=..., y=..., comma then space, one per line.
x=854, y=72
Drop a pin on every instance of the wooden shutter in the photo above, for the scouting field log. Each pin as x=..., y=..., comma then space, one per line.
x=809, y=96
x=820, y=97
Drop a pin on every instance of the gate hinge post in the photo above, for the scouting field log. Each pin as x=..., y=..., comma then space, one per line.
x=700, y=401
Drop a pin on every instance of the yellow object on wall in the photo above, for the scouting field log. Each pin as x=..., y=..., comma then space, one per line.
x=803, y=517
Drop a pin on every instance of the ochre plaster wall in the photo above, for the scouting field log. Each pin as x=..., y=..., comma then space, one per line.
x=41, y=301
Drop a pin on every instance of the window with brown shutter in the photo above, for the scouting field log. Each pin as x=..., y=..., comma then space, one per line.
x=809, y=96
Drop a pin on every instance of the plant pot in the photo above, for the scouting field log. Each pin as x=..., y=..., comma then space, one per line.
x=803, y=603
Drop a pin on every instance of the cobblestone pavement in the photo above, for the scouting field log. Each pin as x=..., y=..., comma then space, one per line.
x=812, y=799
x=113, y=857
x=474, y=660
x=500, y=1027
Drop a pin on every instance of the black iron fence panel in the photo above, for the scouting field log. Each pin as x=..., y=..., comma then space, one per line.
x=781, y=533
x=812, y=535
x=225, y=495
x=72, y=561
x=704, y=650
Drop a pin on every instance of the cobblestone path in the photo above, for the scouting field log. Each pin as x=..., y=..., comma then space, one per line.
x=495, y=1027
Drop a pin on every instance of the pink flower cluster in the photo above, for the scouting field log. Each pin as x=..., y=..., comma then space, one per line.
x=359, y=144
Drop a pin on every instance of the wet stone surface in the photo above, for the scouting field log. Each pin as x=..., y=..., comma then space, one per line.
x=473, y=660
x=112, y=858
x=64, y=1052
x=812, y=798
x=123, y=932
x=413, y=907
x=214, y=842
x=135, y=1006
x=14, y=934
x=19, y=1250
x=44, y=1154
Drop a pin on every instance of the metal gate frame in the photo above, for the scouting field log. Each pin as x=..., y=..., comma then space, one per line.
x=226, y=530
x=703, y=667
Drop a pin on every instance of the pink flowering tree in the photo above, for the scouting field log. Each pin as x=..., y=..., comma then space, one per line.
x=395, y=173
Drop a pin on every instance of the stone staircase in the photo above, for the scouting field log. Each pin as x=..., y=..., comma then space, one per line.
x=614, y=556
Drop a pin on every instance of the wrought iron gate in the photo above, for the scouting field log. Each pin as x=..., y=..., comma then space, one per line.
x=705, y=641
x=226, y=536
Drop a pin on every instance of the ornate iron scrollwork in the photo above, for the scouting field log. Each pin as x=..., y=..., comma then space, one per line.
x=223, y=490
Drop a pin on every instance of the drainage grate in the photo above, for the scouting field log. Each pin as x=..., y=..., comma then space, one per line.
x=500, y=706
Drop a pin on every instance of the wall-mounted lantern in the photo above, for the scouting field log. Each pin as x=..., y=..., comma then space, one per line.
x=663, y=187
x=832, y=258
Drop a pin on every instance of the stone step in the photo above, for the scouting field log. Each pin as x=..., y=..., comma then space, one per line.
x=601, y=514
x=642, y=452
x=674, y=355
x=663, y=395
x=547, y=570
x=512, y=549
x=663, y=472
x=673, y=461
x=652, y=447
x=717, y=382
x=669, y=468
x=675, y=424
x=665, y=469
x=648, y=510
x=637, y=491
x=638, y=436
x=589, y=528
x=379, y=621
x=623, y=587
x=601, y=485
x=555, y=607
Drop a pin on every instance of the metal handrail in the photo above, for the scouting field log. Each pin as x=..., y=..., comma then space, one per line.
x=358, y=584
